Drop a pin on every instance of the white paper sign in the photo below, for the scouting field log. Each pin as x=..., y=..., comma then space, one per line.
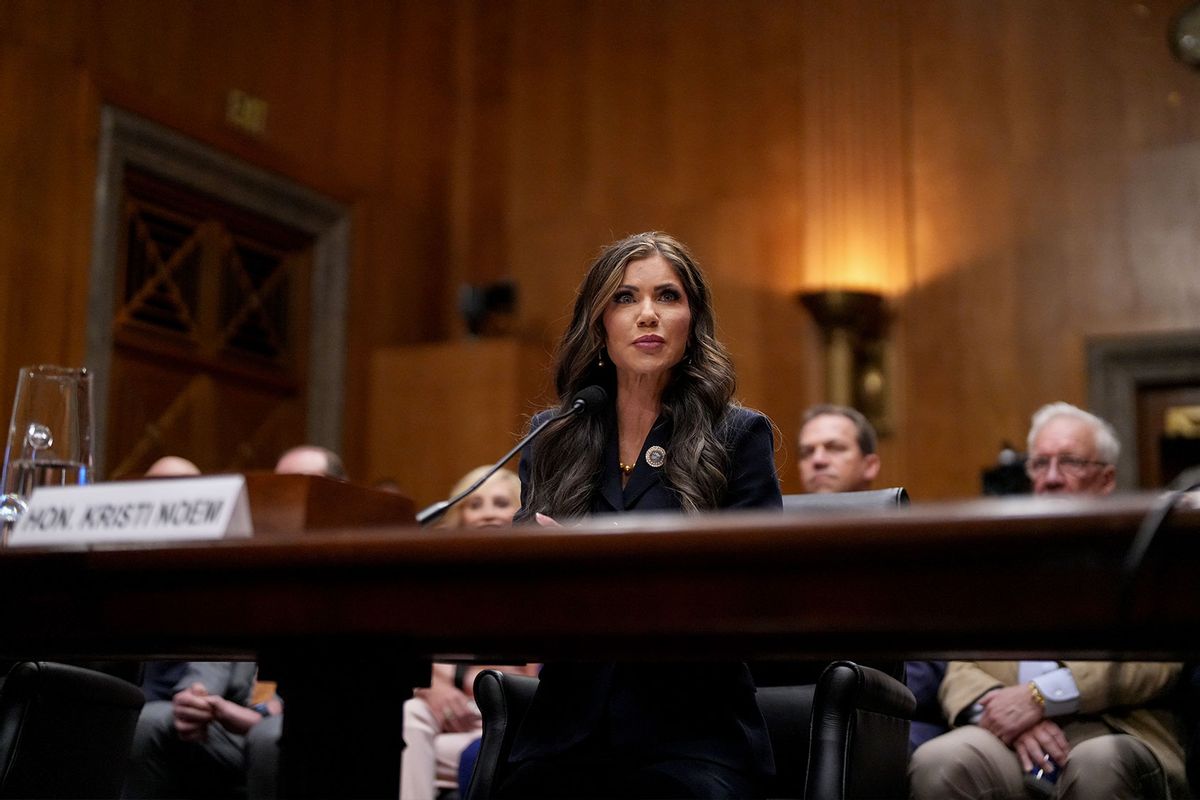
x=164, y=509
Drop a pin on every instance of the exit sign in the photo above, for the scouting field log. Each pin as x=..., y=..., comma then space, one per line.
x=246, y=112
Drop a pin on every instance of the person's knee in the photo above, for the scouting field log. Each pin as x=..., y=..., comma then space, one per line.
x=263, y=738
x=418, y=716
x=1115, y=765
x=155, y=725
x=262, y=759
x=956, y=764
x=931, y=760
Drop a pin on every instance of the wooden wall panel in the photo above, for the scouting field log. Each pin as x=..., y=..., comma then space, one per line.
x=1054, y=176
x=679, y=116
x=1025, y=170
x=1037, y=165
x=469, y=397
x=47, y=148
x=359, y=108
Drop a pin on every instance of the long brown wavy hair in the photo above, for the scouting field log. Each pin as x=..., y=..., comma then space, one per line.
x=570, y=455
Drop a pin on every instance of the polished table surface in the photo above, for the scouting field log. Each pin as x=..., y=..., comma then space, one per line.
x=347, y=620
x=986, y=578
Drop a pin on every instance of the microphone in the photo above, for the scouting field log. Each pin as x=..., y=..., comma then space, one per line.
x=586, y=401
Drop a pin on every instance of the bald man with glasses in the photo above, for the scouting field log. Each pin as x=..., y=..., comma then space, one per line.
x=1062, y=729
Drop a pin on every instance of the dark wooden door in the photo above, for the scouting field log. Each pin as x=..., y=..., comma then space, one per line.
x=210, y=332
x=1168, y=432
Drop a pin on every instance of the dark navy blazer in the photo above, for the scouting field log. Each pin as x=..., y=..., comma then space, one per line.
x=653, y=709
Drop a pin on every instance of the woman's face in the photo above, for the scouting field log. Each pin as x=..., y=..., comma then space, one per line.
x=490, y=506
x=647, y=322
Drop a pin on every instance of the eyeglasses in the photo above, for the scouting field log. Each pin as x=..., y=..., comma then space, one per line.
x=1068, y=465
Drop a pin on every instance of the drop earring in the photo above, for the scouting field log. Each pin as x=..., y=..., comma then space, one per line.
x=600, y=358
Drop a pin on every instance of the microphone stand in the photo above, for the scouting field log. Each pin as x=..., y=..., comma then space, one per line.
x=434, y=512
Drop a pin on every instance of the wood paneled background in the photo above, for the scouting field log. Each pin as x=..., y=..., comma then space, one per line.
x=1015, y=176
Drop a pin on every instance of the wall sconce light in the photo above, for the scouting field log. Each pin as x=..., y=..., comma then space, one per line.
x=1183, y=35
x=852, y=326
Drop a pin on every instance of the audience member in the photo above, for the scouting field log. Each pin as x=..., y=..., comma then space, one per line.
x=194, y=744
x=837, y=450
x=159, y=678
x=923, y=679
x=206, y=740
x=838, y=447
x=262, y=740
x=442, y=720
x=311, y=459
x=1071, y=452
x=387, y=485
x=172, y=467
x=492, y=505
x=1094, y=729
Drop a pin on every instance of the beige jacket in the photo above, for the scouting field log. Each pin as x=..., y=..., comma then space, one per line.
x=1130, y=696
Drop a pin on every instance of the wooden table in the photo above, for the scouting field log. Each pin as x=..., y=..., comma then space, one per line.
x=347, y=619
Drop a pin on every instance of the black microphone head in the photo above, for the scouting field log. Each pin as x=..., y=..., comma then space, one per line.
x=589, y=399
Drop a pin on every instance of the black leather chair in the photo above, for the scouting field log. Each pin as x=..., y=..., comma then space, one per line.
x=851, y=743
x=65, y=731
x=839, y=731
x=503, y=700
x=793, y=673
x=1188, y=703
x=844, y=737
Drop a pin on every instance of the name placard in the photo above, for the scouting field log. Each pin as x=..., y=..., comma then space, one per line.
x=164, y=509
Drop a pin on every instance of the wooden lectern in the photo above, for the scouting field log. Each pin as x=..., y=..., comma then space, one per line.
x=281, y=504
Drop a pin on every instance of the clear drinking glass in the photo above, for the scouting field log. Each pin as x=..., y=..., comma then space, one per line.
x=49, y=436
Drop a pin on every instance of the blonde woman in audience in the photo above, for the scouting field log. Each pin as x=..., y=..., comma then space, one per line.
x=443, y=719
x=490, y=506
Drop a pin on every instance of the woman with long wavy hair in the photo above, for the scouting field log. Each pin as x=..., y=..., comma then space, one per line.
x=673, y=439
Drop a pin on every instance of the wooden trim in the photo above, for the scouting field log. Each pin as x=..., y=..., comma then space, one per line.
x=1118, y=366
x=127, y=140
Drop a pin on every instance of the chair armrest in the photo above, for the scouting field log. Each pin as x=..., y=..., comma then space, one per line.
x=503, y=700
x=65, y=731
x=864, y=501
x=787, y=711
x=858, y=743
x=867, y=688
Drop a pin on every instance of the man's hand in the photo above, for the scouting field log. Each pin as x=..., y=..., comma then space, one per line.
x=1042, y=740
x=451, y=706
x=1009, y=712
x=233, y=717
x=193, y=711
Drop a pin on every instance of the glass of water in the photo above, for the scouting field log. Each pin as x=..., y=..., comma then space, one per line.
x=49, y=436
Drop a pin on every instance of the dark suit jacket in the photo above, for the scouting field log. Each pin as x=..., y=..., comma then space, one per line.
x=658, y=710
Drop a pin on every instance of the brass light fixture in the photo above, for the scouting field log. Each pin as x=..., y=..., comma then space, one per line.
x=853, y=326
x=1183, y=35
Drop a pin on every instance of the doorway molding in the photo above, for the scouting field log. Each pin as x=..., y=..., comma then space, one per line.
x=1119, y=366
x=128, y=140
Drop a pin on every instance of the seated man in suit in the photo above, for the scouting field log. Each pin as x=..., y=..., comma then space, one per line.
x=837, y=450
x=1071, y=729
x=838, y=447
x=194, y=745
